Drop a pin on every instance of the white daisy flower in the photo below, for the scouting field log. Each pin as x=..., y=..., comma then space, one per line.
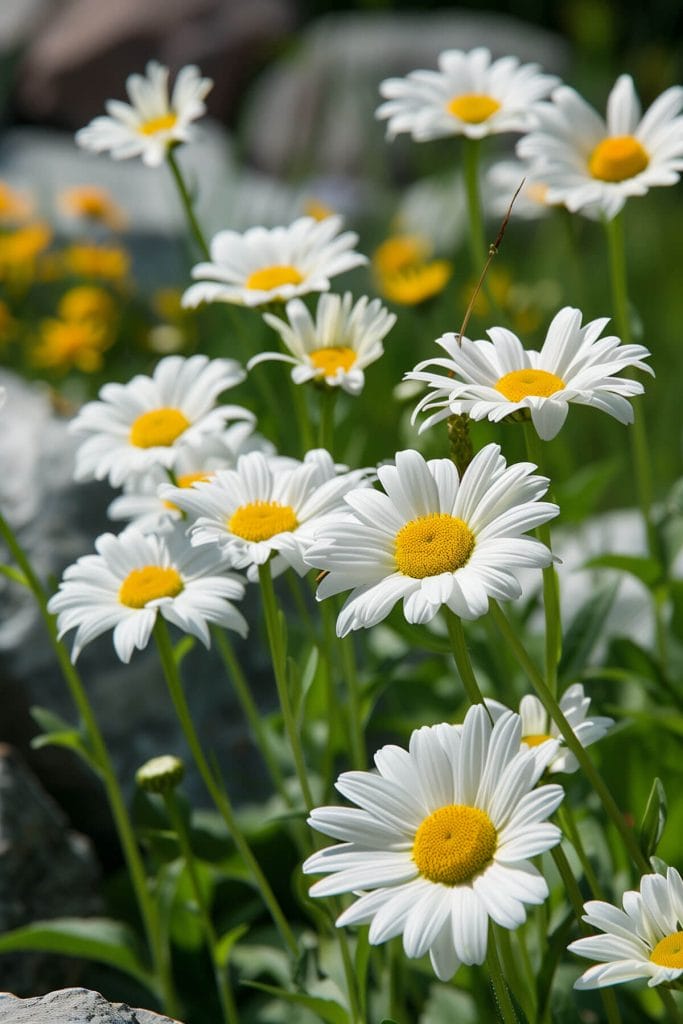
x=334, y=348
x=443, y=840
x=433, y=539
x=469, y=95
x=140, y=504
x=148, y=421
x=501, y=183
x=492, y=379
x=274, y=265
x=645, y=940
x=259, y=509
x=133, y=578
x=587, y=161
x=151, y=123
x=539, y=732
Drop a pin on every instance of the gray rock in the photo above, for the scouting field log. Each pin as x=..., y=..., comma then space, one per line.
x=46, y=871
x=81, y=54
x=73, y=1006
x=314, y=109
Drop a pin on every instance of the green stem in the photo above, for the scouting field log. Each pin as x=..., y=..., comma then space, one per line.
x=462, y=659
x=568, y=824
x=516, y=979
x=328, y=399
x=230, y=1014
x=218, y=794
x=251, y=712
x=122, y=822
x=274, y=629
x=555, y=712
x=303, y=419
x=356, y=1015
x=349, y=668
x=503, y=1001
x=571, y=885
x=670, y=1005
x=551, y=582
x=471, y=149
x=185, y=199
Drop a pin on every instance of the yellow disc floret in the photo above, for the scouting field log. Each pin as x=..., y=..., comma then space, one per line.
x=618, y=158
x=148, y=584
x=473, y=107
x=273, y=277
x=534, y=739
x=433, y=544
x=335, y=357
x=669, y=951
x=454, y=844
x=158, y=124
x=186, y=480
x=261, y=520
x=158, y=428
x=519, y=384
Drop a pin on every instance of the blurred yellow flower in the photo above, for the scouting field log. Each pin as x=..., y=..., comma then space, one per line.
x=82, y=260
x=14, y=205
x=86, y=302
x=7, y=324
x=92, y=203
x=19, y=249
x=65, y=345
x=400, y=252
x=167, y=305
x=317, y=210
x=404, y=272
x=416, y=283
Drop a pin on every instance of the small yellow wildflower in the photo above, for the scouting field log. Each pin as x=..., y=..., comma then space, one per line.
x=92, y=203
x=19, y=249
x=400, y=252
x=167, y=305
x=317, y=210
x=417, y=283
x=111, y=262
x=86, y=302
x=69, y=344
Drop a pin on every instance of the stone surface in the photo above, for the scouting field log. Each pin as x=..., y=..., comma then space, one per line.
x=73, y=1006
x=82, y=52
x=314, y=109
x=46, y=871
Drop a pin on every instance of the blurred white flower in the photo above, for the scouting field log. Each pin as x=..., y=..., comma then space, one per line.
x=152, y=122
x=469, y=95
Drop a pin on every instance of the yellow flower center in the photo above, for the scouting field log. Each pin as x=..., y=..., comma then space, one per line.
x=534, y=739
x=158, y=428
x=158, y=124
x=618, y=158
x=273, y=277
x=519, y=384
x=454, y=844
x=149, y=583
x=473, y=107
x=669, y=951
x=333, y=358
x=261, y=520
x=433, y=544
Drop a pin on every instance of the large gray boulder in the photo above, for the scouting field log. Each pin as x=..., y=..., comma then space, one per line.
x=73, y=1006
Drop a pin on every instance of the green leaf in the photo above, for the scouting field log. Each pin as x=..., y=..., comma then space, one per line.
x=580, y=492
x=16, y=575
x=60, y=733
x=226, y=942
x=647, y=570
x=659, y=866
x=584, y=632
x=654, y=820
x=183, y=647
x=327, y=1010
x=93, y=938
